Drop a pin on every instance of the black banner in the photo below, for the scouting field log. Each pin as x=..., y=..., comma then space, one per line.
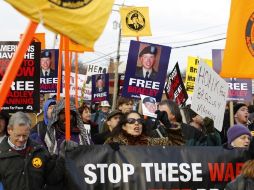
x=174, y=88
x=152, y=167
x=24, y=92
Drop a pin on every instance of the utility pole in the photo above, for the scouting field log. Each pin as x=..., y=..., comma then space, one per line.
x=116, y=68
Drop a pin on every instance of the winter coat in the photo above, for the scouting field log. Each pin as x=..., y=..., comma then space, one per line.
x=81, y=134
x=99, y=117
x=100, y=138
x=208, y=136
x=174, y=138
x=245, y=181
x=38, y=132
x=30, y=170
x=241, y=183
x=93, y=128
x=210, y=139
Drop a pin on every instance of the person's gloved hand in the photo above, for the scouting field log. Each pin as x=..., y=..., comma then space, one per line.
x=67, y=146
x=162, y=116
x=208, y=125
x=115, y=146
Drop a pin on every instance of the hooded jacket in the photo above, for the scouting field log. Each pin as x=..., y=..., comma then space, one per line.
x=39, y=131
x=50, y=137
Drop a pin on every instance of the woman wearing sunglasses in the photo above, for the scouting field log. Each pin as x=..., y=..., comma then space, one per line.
x=131, y=131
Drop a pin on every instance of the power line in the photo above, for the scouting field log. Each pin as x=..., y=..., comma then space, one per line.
x=177, y=47
x=102, y=57
x=183, y=34
x=200, y=43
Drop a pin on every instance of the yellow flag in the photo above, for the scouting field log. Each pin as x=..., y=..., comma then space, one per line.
x=238, y=59
x=82, y=21
x=191, y=72
x=135, y=21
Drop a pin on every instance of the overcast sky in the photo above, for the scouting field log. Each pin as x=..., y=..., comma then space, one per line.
x=173, y=23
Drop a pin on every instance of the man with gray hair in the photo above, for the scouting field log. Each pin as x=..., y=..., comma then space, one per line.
x=24, y=163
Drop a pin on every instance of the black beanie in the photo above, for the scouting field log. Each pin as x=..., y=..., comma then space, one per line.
x=238, y=106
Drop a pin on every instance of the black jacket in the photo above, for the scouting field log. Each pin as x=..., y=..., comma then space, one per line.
x=28, y=171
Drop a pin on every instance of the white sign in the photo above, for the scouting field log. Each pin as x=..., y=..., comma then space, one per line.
x=92, y=69
x=210, y=94
x=81, y=81
x=149, y=105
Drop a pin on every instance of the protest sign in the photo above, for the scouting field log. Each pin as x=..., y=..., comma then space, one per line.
x=175, y=89
x=239, y=89
x=92, y=69
x=191, y=72
x=100, y=87
x=120, y=83
x=81, y=80
x=23, y=94
x=152, y=167
x=48, y=71
x=146, y=70
x=210, y=94
x=149, y=106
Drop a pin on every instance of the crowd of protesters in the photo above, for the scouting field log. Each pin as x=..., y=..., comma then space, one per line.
x=45, y=143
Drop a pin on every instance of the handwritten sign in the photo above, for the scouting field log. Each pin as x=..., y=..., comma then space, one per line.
x=210, y=94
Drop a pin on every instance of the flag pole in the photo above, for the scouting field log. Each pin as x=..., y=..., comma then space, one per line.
x=67, y=89
x=76, y=79
x=59, y=71
x=115, y=95
x=16, y=61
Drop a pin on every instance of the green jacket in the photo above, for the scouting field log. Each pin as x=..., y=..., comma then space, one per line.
x=30, y=171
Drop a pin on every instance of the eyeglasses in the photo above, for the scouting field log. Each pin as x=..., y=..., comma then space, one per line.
x=132, y=120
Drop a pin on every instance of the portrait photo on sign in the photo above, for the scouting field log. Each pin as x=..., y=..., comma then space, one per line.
x=100, y=87
x=47, y=63
x=148, y=61
x=146, y=70
x=149, y=105
x=99, y=83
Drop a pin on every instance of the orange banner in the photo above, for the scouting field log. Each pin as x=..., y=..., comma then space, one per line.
x=238, y=59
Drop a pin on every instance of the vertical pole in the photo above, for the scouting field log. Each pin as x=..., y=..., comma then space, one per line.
x=59, y=72
x=67, y=89
x=116, y=70
x=76, y=79
x=231, y=113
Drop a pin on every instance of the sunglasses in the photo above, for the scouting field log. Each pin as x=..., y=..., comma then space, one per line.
x=132, y=120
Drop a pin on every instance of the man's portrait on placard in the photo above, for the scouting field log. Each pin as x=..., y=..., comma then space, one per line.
x=100, y=83
x=47, y=64
x=148, y=61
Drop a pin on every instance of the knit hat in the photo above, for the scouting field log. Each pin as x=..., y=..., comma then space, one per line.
x=236, y=131
x=238, y=106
